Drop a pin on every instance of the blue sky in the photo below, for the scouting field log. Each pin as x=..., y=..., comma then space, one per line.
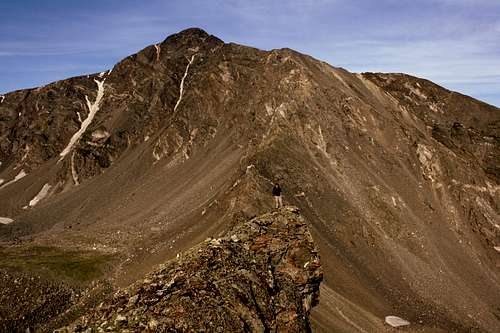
x=455, y=43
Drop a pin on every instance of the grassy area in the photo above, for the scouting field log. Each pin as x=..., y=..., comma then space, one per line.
x=73, y=265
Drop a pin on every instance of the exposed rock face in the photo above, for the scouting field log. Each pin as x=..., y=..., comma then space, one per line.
x=263, y=276
x=463, y=125
x=397, y=176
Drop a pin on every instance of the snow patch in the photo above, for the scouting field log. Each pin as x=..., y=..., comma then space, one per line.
x=396, y=321
x=2, y=97
x=93, y=108
x=42, y=194
x=158, y=50
x=181, y=88
x=497, y=248
x=1, y=181
x=6, y=220
x=20, y=175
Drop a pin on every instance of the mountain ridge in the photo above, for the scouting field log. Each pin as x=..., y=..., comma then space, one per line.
x=263, y=275
x=397, y=177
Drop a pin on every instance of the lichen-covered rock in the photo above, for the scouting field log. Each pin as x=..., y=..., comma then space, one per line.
x=263, y=276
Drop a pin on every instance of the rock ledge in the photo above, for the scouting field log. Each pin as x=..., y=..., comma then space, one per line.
x=264, y=275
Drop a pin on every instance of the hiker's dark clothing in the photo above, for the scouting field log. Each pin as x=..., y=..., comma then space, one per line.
x=276, y=191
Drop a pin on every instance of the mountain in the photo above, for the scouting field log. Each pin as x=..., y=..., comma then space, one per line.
x=105, y=176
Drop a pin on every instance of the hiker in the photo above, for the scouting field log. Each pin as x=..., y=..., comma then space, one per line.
x=278, y=201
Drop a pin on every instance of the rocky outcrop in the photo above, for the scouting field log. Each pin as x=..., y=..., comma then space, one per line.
x=461, y=123
x=263, y=276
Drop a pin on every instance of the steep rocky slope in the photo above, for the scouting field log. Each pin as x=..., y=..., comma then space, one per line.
x=263, y=276
x=397, y=176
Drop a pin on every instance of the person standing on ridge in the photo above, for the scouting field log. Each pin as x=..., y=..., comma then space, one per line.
x=278, y=201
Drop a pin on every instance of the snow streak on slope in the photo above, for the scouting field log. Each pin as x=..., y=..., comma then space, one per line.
x=6, y=220
x=20, y=175
x=181, y=89
x=93, y=108
x=42, y=194
x=158, y=49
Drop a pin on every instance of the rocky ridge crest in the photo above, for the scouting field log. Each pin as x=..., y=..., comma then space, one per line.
x=263, y=276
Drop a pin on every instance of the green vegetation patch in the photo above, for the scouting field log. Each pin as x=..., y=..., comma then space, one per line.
x=61, y=264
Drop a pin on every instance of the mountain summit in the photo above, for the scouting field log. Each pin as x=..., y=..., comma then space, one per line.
x=113, y=173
